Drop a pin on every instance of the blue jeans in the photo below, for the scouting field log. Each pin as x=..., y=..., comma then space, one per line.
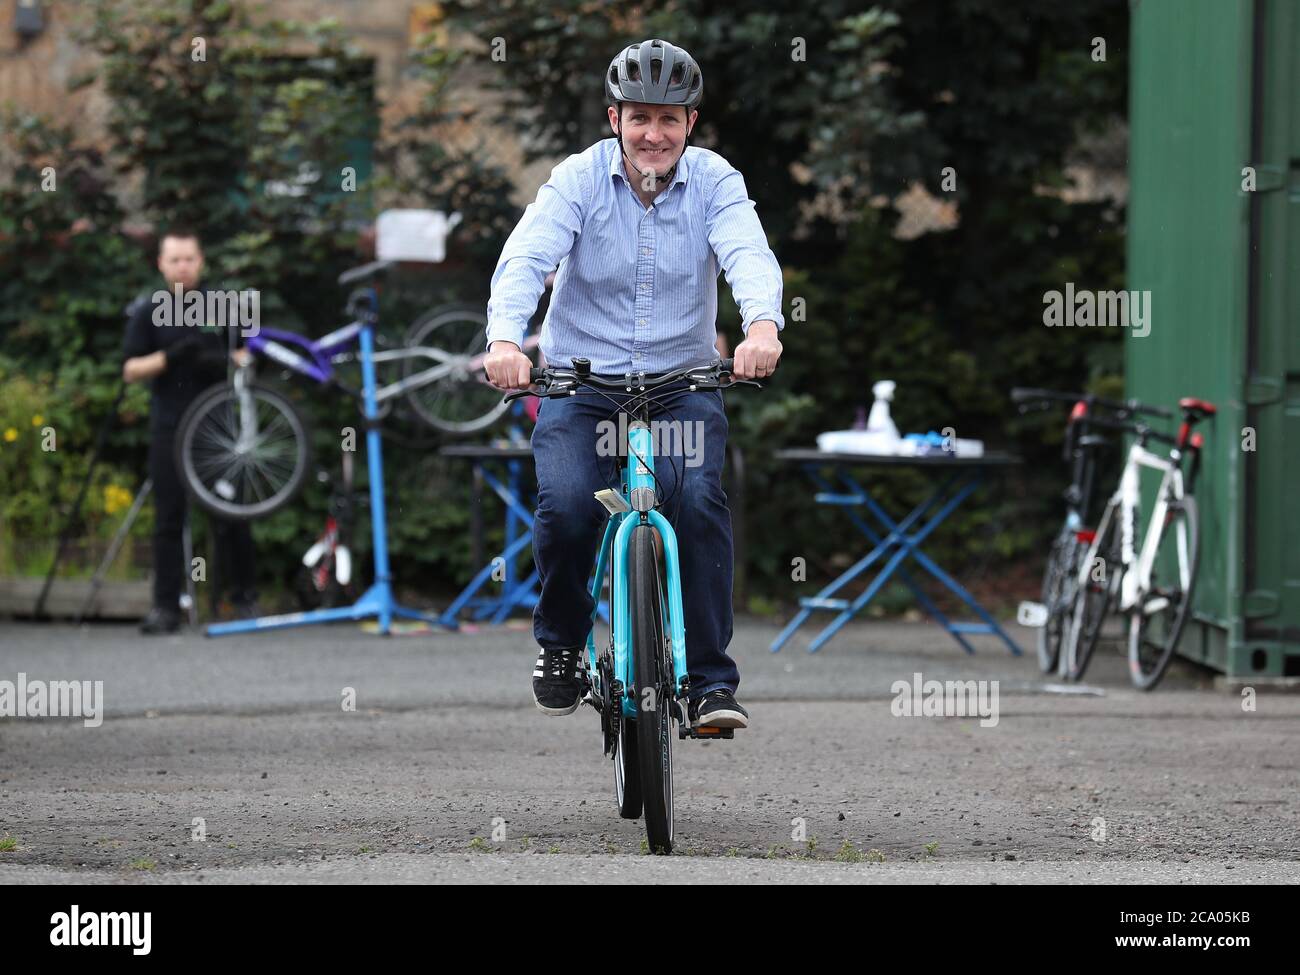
x=570, y=523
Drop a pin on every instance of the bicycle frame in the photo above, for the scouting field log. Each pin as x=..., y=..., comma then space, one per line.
x=314, y=359
x=1136, y=567
x=614, y=553
x=1135, y=585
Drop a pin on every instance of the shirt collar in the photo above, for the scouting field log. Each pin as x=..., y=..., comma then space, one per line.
x=616, y=165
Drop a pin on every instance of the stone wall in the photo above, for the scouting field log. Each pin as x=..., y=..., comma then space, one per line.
x=34, y=72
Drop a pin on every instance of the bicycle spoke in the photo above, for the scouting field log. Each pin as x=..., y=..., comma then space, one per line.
x=223, y=466
x=267, y=473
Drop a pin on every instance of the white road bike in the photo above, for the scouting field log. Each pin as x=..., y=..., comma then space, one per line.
x=1152, y=586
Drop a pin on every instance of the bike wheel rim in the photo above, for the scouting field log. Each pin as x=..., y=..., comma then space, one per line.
x=458, y=403
x=1154, y=637
x=665, y=706
x=253, y=480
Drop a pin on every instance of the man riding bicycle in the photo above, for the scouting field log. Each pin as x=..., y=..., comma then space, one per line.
x=638, y=255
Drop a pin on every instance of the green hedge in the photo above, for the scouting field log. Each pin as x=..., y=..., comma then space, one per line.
x=883, y=100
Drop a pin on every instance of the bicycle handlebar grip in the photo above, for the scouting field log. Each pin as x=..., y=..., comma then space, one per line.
x=1022, y=394
x=536, y=375
x=1019, y=394
x=727, y=366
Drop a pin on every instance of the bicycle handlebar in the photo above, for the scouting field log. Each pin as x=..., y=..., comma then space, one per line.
x=563, y=382
x=1038, y=398
x=1138, y=429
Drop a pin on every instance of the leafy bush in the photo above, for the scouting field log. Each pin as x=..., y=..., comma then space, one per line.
x=251, y=144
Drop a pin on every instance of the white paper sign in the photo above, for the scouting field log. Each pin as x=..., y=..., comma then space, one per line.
x=413, y=235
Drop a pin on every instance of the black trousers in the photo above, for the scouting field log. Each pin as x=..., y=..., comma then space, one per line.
x=234, y=541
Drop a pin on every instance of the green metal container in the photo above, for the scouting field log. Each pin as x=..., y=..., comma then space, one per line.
x=1215, y=105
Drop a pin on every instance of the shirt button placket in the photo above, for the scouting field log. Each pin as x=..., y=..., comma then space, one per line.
x=645, y=270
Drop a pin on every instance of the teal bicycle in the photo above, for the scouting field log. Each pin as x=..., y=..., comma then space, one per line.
x=638, y=681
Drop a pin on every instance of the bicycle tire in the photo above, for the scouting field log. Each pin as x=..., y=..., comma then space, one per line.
x=652, y=671
x=627, y=769
x=1055, y=579
x=198, y=452
x=461, y=403
x=1146, y=671
x=1094, y=599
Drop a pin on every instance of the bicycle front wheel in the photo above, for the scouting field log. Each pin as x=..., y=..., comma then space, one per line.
x=1156, y=623
x=653, y=675
x=1094, y=597
x=1058, y=590
x=627, y=769
x=242, y=453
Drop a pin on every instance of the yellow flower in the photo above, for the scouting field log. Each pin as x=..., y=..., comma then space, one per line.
x=116, y=498
x=11, y=435
x=37, y=420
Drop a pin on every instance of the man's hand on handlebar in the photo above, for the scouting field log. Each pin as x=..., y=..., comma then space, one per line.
x=506, y=366
x=757, y=356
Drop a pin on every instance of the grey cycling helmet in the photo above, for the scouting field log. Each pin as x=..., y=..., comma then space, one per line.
x=656, y=73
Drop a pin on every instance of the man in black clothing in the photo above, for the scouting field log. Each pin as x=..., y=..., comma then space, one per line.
x=182, y=360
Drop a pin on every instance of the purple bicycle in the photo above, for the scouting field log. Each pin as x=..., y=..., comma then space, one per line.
x=243, y=447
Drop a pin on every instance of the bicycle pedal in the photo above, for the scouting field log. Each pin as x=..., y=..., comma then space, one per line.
x=705, y=732
x=1157, y=605
x=1032, y=614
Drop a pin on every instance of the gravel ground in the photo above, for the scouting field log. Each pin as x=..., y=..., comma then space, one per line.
x=445, y=772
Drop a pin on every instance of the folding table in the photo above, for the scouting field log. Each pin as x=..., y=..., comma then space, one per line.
x=894, y=541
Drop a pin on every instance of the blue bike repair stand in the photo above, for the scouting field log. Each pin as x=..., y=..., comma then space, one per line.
x=515, y=592
x=377, y=601
x=519, y=534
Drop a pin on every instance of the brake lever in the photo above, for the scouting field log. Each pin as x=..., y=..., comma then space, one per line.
x=554, y=386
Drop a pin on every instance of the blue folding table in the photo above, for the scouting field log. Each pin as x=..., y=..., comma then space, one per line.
x=895, y=541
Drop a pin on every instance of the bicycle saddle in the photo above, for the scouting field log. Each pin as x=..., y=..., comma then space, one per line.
x=1197, y=408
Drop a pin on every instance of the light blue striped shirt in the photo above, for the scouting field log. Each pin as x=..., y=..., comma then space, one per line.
x=637, y=286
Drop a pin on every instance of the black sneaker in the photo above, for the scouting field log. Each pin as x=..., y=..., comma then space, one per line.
x=160, y=621
x=557, y=685
x=718, y=709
